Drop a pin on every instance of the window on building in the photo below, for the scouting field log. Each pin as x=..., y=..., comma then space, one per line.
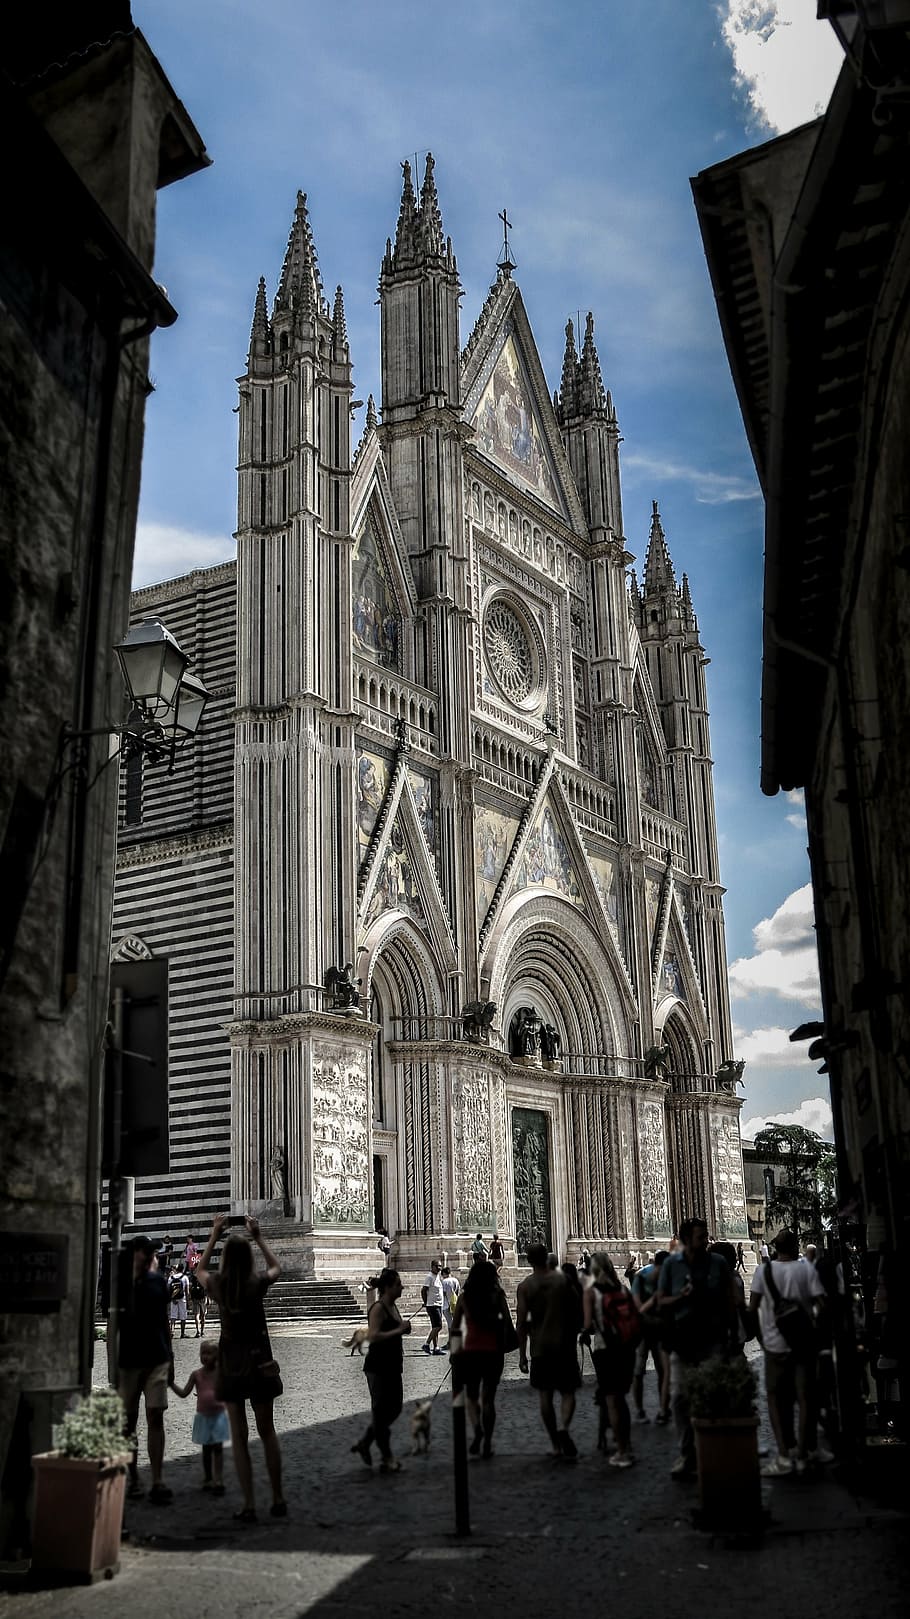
x=132, y=809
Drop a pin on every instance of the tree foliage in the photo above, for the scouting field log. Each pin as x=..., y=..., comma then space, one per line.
x=805, y=1192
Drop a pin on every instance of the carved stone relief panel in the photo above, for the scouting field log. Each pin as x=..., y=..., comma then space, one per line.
x=727, y=1169
x=652, y=1159
x=473, y=1151
x=341, y=1164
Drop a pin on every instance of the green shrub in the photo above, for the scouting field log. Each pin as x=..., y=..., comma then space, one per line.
x=94, y=1428
x=721, y=1388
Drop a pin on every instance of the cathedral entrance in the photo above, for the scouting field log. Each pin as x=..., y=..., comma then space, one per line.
x=531, y=1174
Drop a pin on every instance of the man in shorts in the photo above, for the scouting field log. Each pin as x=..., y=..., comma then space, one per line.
x=434, y=1298
x=546, y=1312
x=146, y=1362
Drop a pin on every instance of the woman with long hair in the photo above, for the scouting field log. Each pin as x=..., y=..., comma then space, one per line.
x=383, y=1367
x=610, y=1314
x=247, y=1369
x=483, y=1325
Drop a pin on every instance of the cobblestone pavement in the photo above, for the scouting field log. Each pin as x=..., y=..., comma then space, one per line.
x=547, y=1537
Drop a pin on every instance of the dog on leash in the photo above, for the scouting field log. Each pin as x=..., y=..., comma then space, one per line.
x=420, y=1428
x=356, y=1341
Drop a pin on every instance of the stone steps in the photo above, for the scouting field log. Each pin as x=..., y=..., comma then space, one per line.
x=313, y=1301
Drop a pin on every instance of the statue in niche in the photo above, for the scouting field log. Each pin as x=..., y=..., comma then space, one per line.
x=524, y=1036
x=550, y=1044
x=278, y=1178
x=343, y=988
x=476, y=1018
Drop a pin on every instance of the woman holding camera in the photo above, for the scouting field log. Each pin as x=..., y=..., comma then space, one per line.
x=247, y=1369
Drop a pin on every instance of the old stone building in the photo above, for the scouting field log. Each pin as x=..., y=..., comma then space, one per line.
x=97, y=130
x=439, y=884
x=808, y=243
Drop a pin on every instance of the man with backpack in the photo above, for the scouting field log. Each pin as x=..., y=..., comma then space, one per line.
x=546, y=1310
x=178, y=1291
x=696, y=1304
x=787, y=1296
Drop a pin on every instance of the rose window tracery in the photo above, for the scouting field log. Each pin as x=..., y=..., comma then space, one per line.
x=512, y=658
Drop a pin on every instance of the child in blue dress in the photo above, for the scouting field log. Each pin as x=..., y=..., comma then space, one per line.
x=210, y=1424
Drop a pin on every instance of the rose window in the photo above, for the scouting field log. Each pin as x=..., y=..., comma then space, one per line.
x=511, y=655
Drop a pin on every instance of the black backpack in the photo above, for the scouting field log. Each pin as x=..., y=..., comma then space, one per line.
x=175, y=1291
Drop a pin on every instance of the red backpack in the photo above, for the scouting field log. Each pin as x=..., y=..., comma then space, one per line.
x=620, y=1316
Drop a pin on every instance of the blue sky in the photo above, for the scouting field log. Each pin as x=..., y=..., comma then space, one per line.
x=587, y=124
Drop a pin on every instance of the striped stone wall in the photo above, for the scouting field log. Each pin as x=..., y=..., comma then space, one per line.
x=174, y=898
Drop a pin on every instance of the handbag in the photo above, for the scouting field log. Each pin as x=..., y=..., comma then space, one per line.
x=792, y=1320
x=505, y=1329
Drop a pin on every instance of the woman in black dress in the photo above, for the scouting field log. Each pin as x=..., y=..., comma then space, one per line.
x=383, y=1367
x=247, y=1369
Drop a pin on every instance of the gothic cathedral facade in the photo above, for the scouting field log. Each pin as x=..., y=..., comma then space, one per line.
x=439, y=883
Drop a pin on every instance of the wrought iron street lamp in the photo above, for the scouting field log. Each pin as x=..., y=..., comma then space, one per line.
x=166, y=700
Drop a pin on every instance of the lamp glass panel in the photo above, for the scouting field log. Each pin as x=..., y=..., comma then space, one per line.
x=191, y=700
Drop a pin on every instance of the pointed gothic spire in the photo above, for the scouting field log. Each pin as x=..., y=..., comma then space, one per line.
x=339, y=325
x=688, y=611
x=591, y=388
x=300, y=286
x=406, y=234
x=260, y=331
x=634, y=593
x=372, y=420
x=430, y=216
x=658, y=567
x=568, y=392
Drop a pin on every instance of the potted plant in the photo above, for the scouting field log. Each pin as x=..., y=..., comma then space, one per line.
x=721, y=1396
x=79, y=1491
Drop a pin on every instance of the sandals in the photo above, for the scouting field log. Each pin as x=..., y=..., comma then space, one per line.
x=160, y=1495
x=245, y=1515
x=391, y=1465
x=362, y=1450
x=278, y=1509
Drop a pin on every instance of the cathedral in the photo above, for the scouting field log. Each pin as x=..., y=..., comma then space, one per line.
x=437, y=883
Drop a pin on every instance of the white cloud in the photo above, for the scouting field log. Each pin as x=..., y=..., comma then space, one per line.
x=711, y=488
x=786, y=960
x=798, y=819
x=813, y=1114
x=164, y=551
x=792, y=926
x=784, y=60
x=767, y=1048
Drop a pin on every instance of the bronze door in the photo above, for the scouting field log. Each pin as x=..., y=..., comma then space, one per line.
x=531, y=1173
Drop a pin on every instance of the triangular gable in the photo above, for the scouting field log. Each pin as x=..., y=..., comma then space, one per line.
x=546, y=861
x=402, y=878
x=382, y=585
x=549, y=856
x=508, y=403
x=676, y=976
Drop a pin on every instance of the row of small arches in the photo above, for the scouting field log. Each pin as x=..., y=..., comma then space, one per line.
x=389, y=698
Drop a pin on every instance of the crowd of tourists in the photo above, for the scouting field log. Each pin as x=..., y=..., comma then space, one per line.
x=680, y=1308
x=675, y=1310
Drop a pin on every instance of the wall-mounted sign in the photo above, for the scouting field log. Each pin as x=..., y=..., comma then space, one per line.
x=34, y=1268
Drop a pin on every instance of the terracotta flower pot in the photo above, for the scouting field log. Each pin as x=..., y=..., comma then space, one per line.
x=729, y=1482
x=78, y=1514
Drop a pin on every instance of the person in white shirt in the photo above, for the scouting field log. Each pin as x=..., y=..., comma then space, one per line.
x=790, y=1367
x=434, y=1299
x=450, y=1292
